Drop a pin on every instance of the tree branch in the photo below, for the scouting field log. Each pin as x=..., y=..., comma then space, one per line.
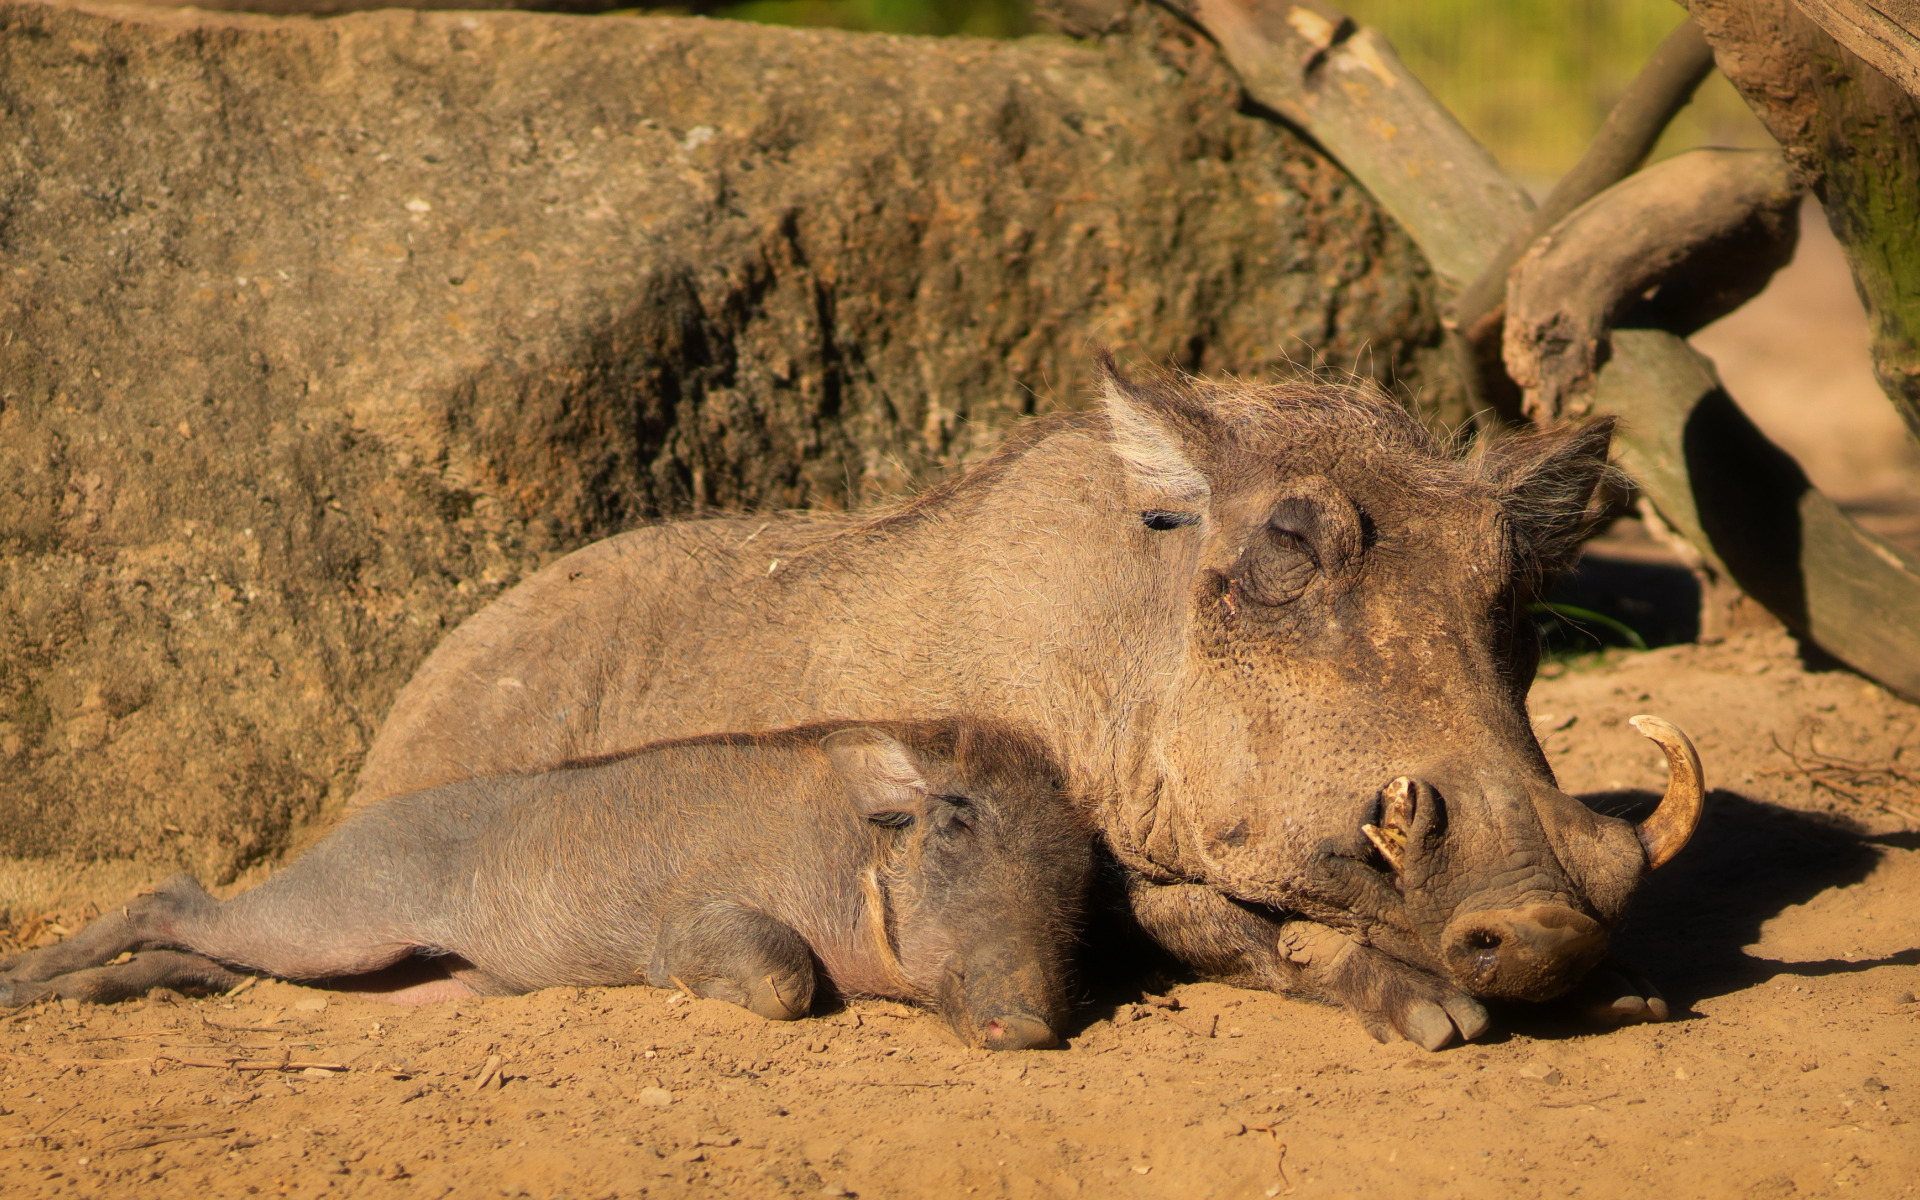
x=1655, y=229
x=1344, y=87
x=1662, y=88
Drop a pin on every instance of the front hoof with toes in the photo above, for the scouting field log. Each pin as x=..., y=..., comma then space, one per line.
x=1617, y=995
x=1387, y=995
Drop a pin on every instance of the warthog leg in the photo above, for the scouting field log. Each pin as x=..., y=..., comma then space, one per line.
x=1237, y=943
x=123, y=981
x=723, y=951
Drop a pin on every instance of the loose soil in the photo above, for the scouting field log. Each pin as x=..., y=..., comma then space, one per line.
x=1787, y=938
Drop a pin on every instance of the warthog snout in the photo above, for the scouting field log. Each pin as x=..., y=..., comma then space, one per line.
x=1530, y=953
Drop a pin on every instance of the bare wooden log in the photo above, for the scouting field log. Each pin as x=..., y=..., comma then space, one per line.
x=1692, y=452
x=1720, y=483
x=1654, y=228
x=1885, y=33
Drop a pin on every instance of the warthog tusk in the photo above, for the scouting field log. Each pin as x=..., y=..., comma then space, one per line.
x=1396, y=822
x=1389, y=849
x=882, y=937
x=1667, y=830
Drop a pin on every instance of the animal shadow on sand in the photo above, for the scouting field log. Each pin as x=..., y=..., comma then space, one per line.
x=1748, y=862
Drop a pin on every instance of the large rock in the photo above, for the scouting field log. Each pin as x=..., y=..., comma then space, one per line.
x=317, y=334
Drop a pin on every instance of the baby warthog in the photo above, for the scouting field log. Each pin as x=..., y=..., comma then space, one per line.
x=934, y=861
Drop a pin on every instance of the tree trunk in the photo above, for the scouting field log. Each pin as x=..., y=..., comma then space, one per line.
x=1854, y=134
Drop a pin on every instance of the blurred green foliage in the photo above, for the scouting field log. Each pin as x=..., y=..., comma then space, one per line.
x=1530, y=78
x=1533, y=79
x=979, y=18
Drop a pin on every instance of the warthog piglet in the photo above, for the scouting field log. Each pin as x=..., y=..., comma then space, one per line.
x=937, y=862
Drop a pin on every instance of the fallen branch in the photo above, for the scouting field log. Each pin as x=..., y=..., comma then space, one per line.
x=169, y=1137
x=1346, y=88
x=1848, y=778
x=1663, y=227
x=1577, y=1103
x=224, y=1064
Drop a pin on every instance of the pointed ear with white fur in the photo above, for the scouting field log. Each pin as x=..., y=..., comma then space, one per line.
x=1146, y=439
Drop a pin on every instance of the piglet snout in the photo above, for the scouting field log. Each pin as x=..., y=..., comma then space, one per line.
x=998, y=997
x=1018, y=1033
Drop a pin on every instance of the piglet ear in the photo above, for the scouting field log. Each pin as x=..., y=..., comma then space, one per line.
x=883, y=776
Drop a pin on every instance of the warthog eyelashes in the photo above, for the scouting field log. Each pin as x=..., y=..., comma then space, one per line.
x=1155, y=518
x=950, y=818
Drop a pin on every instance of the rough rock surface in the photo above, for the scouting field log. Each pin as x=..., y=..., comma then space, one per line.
x=315, y=334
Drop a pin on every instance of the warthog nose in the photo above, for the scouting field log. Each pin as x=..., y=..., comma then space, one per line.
x=1530, y=953
x=1018, y=1033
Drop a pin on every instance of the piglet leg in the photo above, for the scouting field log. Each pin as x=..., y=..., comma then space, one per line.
x=123, y=981
x=728, y=952
x=312, y=921
x=142, y=922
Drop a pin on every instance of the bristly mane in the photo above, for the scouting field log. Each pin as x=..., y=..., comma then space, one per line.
x=1545, y=480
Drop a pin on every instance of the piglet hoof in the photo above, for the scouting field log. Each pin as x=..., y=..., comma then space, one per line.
x=22, y=992
x=1615, y=994
x=1017, y=1033
x=780, y=998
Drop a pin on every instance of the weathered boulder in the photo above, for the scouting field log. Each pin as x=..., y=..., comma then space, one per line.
x=315, y=334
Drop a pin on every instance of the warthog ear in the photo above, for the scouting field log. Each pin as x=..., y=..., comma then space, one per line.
x=1146, y=425
x=883, y=776
x=1550, y=485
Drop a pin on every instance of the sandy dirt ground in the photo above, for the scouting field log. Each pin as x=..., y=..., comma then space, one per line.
x=1787, y=937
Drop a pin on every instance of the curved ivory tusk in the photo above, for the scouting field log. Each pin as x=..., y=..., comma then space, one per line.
x=1667, y=830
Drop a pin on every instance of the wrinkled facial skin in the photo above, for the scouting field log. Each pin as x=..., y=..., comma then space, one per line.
x=984, y=888
x=1356, y=616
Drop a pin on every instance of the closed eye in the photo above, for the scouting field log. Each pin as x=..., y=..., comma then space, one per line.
x=1155, y=518
x=1296, y=542
x=892, y=820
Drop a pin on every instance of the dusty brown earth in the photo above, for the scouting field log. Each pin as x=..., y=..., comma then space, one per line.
x=1787, y=936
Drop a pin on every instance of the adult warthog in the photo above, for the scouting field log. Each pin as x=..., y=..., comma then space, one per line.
x=1277, y=635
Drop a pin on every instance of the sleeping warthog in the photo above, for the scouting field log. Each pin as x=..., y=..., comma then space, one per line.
x=937, y=862
x=1254, y=624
